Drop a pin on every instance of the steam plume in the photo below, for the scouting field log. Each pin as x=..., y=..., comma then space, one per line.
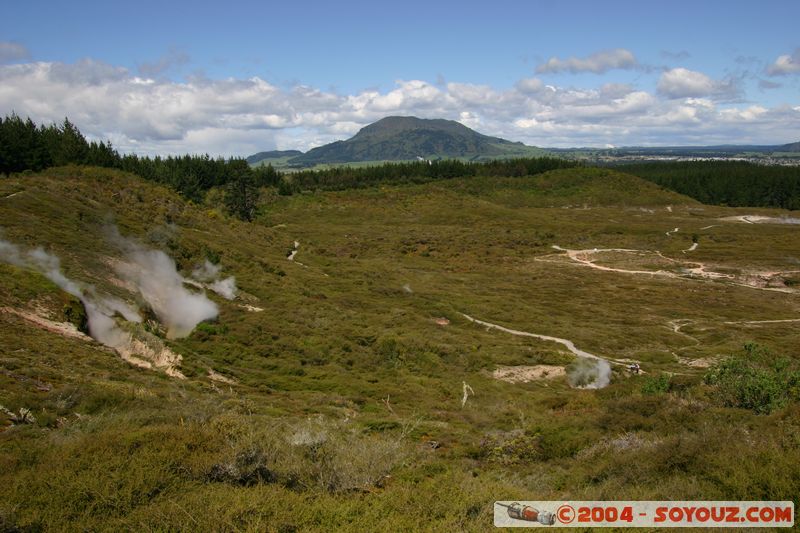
x=209, y=273
x=588, y=373
x=99, y=311
x=154, y=273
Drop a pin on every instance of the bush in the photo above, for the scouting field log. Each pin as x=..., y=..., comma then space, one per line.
x=656, y=384
x=312, y=454
x=756, y=379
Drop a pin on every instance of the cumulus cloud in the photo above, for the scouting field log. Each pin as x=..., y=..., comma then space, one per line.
x=785, y=65
x=598, y=63
x=13, y=51
x=685, y=83
x=244, y=116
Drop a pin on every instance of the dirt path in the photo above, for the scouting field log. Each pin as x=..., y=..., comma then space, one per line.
x=760, y=219
x=692, y=248
x=700, y=270
x=293, y=253
x=679, y=323
x=670, y=232
x=758, y=322
x=12, y=195
x=568, y=344
x=582, y=257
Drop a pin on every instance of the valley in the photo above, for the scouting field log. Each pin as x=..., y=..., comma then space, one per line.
x=359, y=320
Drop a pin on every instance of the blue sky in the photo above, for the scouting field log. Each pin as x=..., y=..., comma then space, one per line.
x=235, y=77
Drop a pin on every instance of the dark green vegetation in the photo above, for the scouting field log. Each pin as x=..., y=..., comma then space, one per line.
x=26, y=146
x=733, y=183
x=348, y=177
x=757, y=379
x=344, y=406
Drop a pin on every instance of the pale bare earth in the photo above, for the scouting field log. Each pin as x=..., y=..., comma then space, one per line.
x=702, y=363
x=64, y=329
x=766, y=281
x=760, y=219
x=526, y=374
x=293, y=253
x=135, y=352
x=142, y=354
x=216, y=376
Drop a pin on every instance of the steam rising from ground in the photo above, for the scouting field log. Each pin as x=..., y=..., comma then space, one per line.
x=154, y=273
x=99, y=310
x=209, y=273
x=586, y=373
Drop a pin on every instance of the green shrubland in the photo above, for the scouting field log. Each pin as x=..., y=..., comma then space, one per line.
x=343, y=406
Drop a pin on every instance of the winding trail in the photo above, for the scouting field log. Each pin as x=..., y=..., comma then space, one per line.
x=568, y=344
x=582, y=257
x=699, y=271
x=679, y=323
x=758, y=322
x=670, y=232
x=761, y=219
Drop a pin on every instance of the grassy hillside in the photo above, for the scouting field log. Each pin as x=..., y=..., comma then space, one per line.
x=329, y=394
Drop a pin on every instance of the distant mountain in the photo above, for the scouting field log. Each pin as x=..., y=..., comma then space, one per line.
x=274, y=154
x=409, y=139
x=412, y=138
x=791, y=147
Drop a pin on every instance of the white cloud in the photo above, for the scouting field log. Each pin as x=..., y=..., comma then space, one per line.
x=530, y=86
x=684, y=83
x=785, y=64
x=244, y=116
x=13, y=51
x=598, y=63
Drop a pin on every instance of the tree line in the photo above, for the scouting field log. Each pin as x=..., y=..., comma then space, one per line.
x=344, y=177
x=733, y=183
x=25, y=145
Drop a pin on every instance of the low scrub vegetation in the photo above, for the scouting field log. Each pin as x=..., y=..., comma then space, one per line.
x=756, y=379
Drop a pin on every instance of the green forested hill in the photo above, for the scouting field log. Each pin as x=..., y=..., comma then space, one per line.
x=410, y=138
